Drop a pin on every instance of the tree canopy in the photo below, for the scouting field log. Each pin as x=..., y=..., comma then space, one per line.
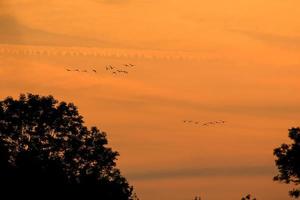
x=288, y=161
x=44, y=142
x=248, y=197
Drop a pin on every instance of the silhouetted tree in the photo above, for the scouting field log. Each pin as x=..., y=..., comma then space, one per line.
x=288, y=161
x=44, y=143
x=248, y=197
x=197, y=198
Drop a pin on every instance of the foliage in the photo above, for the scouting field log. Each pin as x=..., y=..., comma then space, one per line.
x=248, y=197
x=44, y=142
x=288, y=161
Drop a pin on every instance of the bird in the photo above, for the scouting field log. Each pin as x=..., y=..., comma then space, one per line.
x=114, y=72
x=94, y=70
x=126, y=65
x=68, y=70
x=77, y=70
x=84, y=71
x=109, y=67
x=131, y=65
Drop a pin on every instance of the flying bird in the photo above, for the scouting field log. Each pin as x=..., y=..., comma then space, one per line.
x=109, y=67
x=94, y=70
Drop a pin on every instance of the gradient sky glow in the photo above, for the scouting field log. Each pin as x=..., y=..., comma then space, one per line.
x=203, y=60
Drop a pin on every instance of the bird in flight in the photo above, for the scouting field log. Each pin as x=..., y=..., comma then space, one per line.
x=109, y=67
x=122, y=71
x=68, y=70
x=94, y=70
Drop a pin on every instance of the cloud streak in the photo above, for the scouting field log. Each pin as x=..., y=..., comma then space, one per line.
x=239, y=171
x=113, y=1
x=275, y=39
x=14, y=32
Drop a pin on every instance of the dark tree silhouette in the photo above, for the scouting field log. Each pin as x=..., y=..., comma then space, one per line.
x=44, y=144
x=248, y=197
x=288, y=161
x=197, y=198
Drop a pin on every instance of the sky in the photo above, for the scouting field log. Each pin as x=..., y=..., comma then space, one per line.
x=197, y=60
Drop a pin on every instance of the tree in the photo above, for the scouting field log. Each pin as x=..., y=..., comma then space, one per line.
x=248, y=197
x=288, y=161
x=197, y=198
x=44, y=143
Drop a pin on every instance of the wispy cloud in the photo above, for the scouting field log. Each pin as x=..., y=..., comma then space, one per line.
x=113, y=1
x=203, y=172
x=271, y=38
x=14, y=32
x=10, y=31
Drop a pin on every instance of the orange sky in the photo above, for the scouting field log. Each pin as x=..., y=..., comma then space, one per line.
x=201, y=60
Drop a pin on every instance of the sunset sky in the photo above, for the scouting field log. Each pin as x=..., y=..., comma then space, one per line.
x=234, y=60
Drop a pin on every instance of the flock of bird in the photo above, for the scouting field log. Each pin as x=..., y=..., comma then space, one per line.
x=79, y=70
x=117, y=70
x=211, y=123
x=109, y=68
